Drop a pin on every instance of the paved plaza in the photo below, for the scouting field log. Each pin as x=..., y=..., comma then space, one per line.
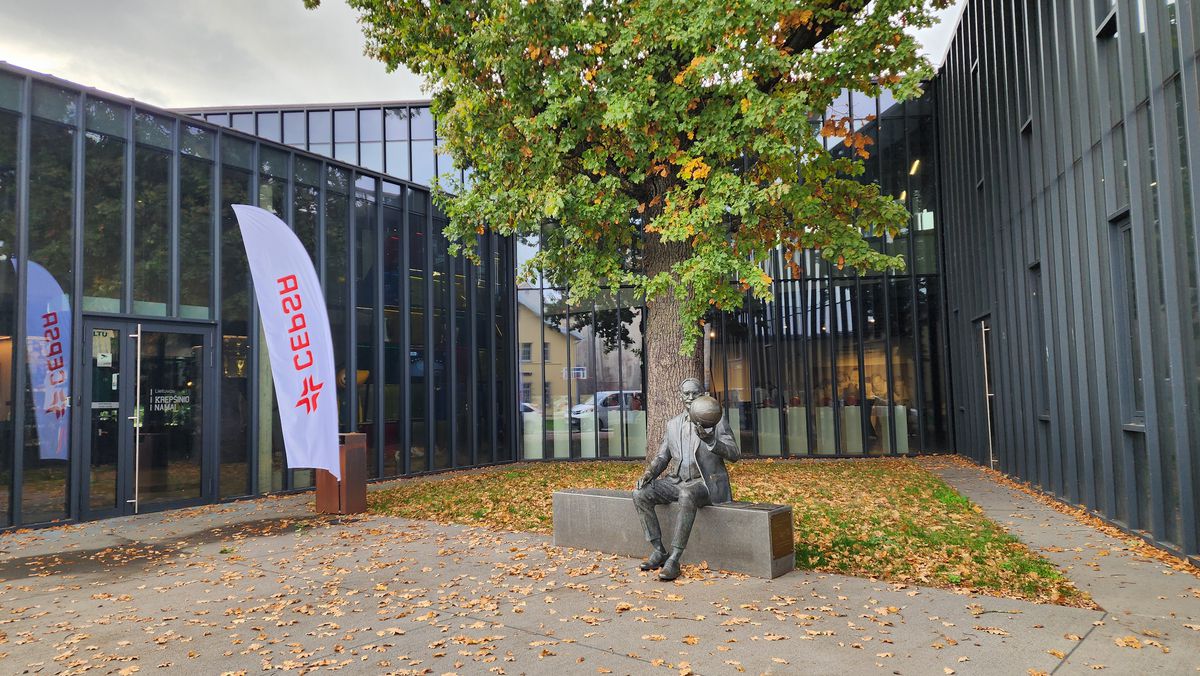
x=261, y=585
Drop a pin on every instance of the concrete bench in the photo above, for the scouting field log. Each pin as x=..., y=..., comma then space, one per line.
x=741, y=537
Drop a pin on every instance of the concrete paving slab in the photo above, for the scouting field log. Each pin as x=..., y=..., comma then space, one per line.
x=233, y=587
x=1152, y=616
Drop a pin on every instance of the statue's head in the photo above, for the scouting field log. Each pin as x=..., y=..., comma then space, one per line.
x=689, y=389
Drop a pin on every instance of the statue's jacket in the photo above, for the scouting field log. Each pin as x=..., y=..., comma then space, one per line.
x=710, y=456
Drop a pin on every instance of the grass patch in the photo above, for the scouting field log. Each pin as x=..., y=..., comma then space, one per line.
x=884, y=518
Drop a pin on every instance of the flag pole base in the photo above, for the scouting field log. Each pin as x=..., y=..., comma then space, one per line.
x=348, y=496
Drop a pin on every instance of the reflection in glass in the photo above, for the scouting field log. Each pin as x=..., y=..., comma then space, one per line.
x=294, y=130
x=151, y=231
x=484, y=385
x=396, y=124
x=393, y=328
x=51, y=238
x=370, y=124
x=422, y=123
x=8, y=290
x=439, y=349
x=418, y=327
x=236, y=182
x=337, y=284
x=10, y=98
x=172, y=420
x=320, y=127
x=104, y=222
x=195, y=236
x=243, y=122
x=465, y=417
x=531, y=374
x=106, y=421
x=366, y=245
x=423, y=167
x=268, y=126
x=397, y=159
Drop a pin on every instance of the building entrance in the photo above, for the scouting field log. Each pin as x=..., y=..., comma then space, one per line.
x=146, y=390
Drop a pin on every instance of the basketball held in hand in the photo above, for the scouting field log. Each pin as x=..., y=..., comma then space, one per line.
x=705, y=411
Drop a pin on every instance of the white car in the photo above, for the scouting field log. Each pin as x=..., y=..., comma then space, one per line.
x=609, y=400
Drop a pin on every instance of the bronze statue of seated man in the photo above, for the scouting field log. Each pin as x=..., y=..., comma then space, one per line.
x=696, y=445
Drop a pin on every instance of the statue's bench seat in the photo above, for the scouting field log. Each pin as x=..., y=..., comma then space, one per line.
x=741, y=537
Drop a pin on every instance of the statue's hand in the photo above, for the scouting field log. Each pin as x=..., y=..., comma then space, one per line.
x=643, y=480
x=705, y=433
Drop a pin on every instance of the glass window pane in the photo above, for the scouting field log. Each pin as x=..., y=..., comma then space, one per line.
x=10, y=91
x=370, y=124
x=273, y=162
x=154, y=130
x=104, y=222
x=397, y=159
x=337, y=285
x=9, y=126
x=53, y=103
x=273, y=183
x=268, y=126
x=396, y=124
x=235, y=418
x=151, y=231
x=393, y=320
x=418, y=204
x=196, y=141
x=107, y=118
x=366, y=246
x=293, y=128
x=308, y=171
x=345, y=127
x=195, y=237
x=346, y=152
x=220, y=119
x=439, y=349
x=422, y=123
x=51, y=228
x=934, y=414
x=237, y=153
x=423, y=168
x=371, y=156
x=243, y=122
x=320, y=127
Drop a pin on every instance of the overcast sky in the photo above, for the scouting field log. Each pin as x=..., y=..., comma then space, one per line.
x=177, y=54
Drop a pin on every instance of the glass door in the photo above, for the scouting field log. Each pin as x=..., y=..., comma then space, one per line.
x=147, y=394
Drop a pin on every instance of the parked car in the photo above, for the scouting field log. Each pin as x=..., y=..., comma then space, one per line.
x=609, y=400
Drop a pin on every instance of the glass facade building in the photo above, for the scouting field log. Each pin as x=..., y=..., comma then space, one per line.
x=838, y=364
x=132, y=372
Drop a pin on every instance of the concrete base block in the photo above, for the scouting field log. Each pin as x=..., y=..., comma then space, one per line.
x=741, y=537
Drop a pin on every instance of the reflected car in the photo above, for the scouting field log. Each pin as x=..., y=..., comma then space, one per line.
x=609, y=400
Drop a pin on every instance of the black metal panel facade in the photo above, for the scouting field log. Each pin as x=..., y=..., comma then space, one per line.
x=1068, y=134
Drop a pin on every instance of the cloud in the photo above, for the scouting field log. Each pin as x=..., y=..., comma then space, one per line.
x=215, y=52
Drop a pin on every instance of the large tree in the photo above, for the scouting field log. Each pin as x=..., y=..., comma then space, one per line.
x=667, y=146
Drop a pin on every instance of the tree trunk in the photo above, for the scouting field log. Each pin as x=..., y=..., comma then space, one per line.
x=665, y=367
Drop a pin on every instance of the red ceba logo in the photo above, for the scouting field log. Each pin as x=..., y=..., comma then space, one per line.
x=56, y=367
x=298, y=340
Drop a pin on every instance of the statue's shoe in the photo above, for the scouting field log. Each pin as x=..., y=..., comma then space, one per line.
x=655, y=561
x=670, y=569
